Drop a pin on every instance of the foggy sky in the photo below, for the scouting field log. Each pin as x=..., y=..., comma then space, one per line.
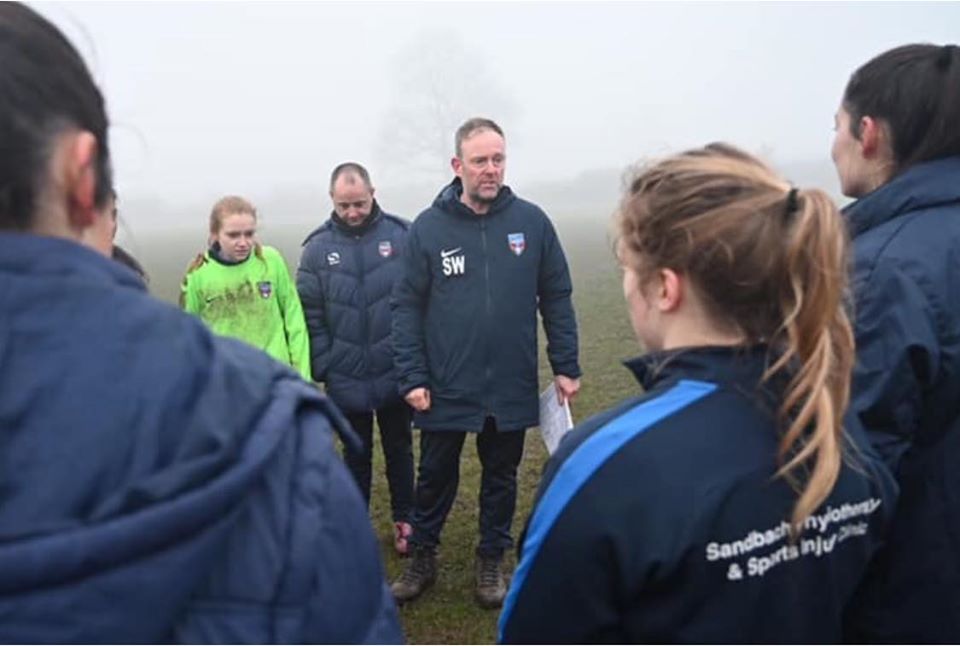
x=258, y=99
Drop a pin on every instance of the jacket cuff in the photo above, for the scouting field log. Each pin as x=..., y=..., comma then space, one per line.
x=407, y=385
x=571, y=370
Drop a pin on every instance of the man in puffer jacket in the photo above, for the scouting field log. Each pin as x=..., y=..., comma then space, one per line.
x=347, y=270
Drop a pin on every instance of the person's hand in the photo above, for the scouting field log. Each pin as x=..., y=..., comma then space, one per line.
x=567, y=388
x=419, y=399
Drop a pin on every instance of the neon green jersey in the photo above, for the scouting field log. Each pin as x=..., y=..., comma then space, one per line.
x=254, y=301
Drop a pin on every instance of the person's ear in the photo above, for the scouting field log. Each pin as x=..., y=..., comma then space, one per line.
x=457, y=166
x=670, y=291
x=79, y=172
x=871, y=136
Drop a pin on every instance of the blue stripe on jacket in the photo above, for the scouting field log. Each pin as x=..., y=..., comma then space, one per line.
x=585, y=461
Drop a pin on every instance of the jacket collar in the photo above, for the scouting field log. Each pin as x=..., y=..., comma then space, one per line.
x=361, y=229
x=33, y=254
x=921, y=186
x=216, y=253
x=448, y=200
x=741, y=365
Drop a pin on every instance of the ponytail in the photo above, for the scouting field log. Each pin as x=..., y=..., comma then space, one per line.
x=819, y=343
x=723, y=218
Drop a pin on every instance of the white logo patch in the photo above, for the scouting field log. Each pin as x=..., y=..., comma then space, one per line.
x=453, y=265
x=333, y=258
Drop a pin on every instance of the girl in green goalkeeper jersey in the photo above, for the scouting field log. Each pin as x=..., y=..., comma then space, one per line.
x=243, y=289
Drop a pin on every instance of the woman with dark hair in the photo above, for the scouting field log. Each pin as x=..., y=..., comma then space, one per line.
x=124, y=257
x=117, y=252
x=729, y=503
x=157, y=484
x=897, y=150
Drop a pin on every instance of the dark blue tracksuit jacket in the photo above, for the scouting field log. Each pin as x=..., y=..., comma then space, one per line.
x=344, y=279
x=159, y=484
x=661, y=520
x=906, y=390
x=465, y=311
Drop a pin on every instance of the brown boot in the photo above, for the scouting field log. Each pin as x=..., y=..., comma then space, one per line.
x=420, y=574
x=491, y=584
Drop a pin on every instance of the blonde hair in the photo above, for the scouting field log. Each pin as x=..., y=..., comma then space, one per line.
x=770, y=263
x=232, y=205
x=229, y=205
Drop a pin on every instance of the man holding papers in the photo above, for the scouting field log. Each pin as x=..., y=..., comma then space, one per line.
x=480, y=262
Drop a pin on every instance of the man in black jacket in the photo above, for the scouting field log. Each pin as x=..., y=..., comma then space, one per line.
x=480, y=262
x=347, y=270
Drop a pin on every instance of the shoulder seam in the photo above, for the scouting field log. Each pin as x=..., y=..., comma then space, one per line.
x=403, y=222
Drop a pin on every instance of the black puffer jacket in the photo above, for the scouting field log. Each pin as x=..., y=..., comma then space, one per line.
x=344, y=280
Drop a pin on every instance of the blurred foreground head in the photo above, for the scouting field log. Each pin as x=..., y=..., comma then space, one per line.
x=55, y=176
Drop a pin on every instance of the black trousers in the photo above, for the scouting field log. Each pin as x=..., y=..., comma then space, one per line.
x=500, y=453
x=396, y=438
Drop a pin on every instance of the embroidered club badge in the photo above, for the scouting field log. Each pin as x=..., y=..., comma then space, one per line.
x=517, y=243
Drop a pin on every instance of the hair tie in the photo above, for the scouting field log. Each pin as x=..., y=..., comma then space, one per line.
x=792, y=201
x=945, y=57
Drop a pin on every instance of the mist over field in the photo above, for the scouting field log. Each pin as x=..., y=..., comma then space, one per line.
x=262, y=100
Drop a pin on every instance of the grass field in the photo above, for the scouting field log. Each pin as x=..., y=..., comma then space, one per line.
x=447, y=613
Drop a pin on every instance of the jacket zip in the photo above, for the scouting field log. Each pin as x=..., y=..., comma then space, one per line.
x=358, y=252
x=489, y=308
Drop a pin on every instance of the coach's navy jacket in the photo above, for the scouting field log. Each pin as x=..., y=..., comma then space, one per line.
x=906, y=390
x=344, y=279
x=159, y=484
x=465, y=311
x=661, y=520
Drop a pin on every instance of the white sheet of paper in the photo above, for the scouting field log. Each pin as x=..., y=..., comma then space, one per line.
x=555, y=420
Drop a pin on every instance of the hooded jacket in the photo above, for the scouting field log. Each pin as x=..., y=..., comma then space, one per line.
x=465, y=311
x=906, y=391
x=344, y=280
x=162, y=484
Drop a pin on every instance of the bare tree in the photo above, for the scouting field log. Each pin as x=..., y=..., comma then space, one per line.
x=437, y=85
